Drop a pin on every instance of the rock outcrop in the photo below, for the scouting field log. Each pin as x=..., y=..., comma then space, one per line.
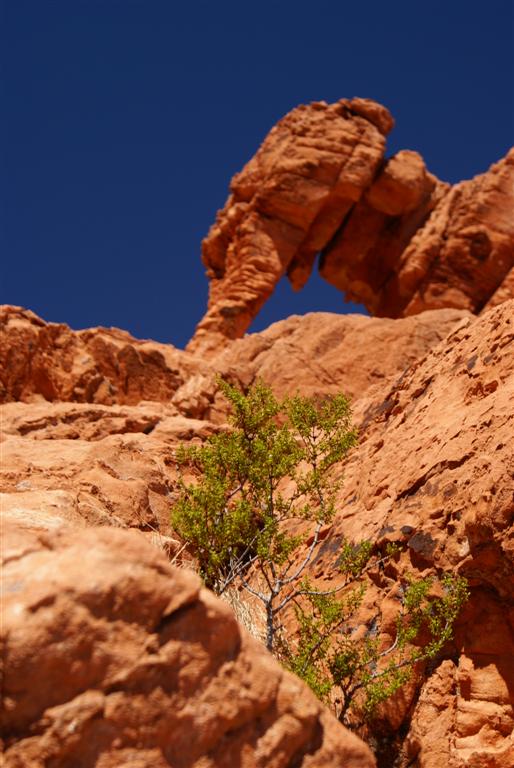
x=390, y=235
x=113, y=657
x=434, y=472
x=98, y=365
x=463, y=254
x=433, y=398
x=85, y=463
x=331, y=351
x=285, y=205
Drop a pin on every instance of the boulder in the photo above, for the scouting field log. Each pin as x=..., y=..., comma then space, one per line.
x=113, y=657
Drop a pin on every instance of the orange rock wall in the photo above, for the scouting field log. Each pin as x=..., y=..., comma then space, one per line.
x=432, y=397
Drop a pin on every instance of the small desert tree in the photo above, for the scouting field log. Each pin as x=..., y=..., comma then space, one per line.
x=254, y=482
x=252, y=513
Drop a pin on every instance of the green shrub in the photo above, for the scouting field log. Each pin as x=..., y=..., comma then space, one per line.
x=235, y=514
x=254, y=486
x=358, y=673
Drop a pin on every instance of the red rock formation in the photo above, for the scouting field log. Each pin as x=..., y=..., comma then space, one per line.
x=433, y=398
x=332, y=352
x=98, y=365
x=435, y=469
x=363, y=256
x=391, y=235
x=503, y=293
x=94, y=464
x=465, y=251
x=112, y=657
x=285, y=205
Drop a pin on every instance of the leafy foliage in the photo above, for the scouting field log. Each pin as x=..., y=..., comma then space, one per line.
x=252, y=482
x=351, y=672
x=252, y=489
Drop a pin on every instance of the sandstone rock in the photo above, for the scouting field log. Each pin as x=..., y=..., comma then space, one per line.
x=414, y=244
x=401, y=185
x=503, y=293
x=50, y=361
x=102, y=472
x=465, y=251
x=435, y=463
x=364, y=254
x=434, y=470
x=285, y=205
x=354, y=354
x=391, y=235
x=112, y=657
x=87, y=463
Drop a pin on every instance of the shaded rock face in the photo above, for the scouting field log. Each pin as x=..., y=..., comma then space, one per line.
x=98, y=365
x=113, y=657
x=390, y=234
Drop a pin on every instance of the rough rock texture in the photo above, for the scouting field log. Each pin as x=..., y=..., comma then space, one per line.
x=285, y=205
x=98, y=365
x=92, y=465
x=465, y=251
x=96, y=464
x=391, y=235
x=332, y=352
x=363, y=257
x=435, y=472
x=112, y=657
x=433, y=397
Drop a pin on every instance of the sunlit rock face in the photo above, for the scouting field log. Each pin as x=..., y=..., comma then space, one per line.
x=432, y=396
x=390, y=235
x=285, y=206
x=113, y=657
x=435, y=471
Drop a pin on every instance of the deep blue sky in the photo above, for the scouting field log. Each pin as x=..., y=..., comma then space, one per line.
x=126, y=120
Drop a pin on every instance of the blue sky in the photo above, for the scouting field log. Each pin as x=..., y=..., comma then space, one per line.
x=127, y=118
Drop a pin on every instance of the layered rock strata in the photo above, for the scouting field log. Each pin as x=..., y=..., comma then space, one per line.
x=390, y=235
